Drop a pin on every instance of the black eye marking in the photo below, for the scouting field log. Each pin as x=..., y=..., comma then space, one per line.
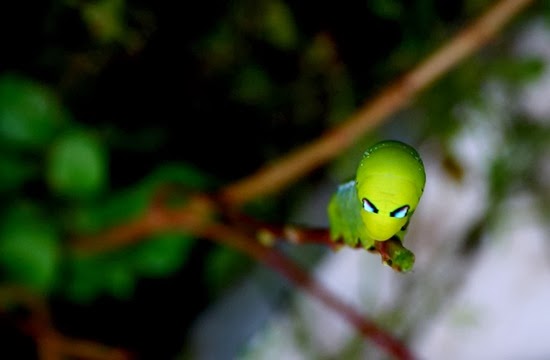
x=400, y=212
x=369, y=207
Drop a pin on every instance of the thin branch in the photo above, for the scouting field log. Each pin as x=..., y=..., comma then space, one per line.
x=54, y=346
x=157, y=218
x=300, y=162
x=51, y=345
x=368, y=328
x=392, y=252
x=194, y=222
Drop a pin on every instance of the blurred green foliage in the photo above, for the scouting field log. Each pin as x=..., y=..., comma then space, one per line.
x=30, y=113
x=77, y=167
x=117, y=272
x=45, y=152
x=30, y=249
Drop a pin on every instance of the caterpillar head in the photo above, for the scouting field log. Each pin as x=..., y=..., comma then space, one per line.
x=390, y=181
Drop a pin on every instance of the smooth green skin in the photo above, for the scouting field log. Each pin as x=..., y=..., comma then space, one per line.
x=391, y=174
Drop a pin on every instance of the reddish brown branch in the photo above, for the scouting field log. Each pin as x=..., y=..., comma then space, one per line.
x=51, y=345
x=157, y=218
x=228, y=236
x=54, y=346
x=192, y=219
x=392, y=252
x=298, y=163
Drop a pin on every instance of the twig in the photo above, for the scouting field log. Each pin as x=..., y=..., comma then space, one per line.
x=298, y=163
x=192, y=219
x=54, y=346
x=228, y=236
x=392, y=252
x=196, y=212
x=51, y=345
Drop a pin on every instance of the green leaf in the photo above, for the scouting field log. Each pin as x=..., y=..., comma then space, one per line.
x=162, y=254
x=29, y=249
x=77, y=166
x=89, y=276
x=105, y=18
x=14, y=171
x=84, y=280
x=119, y=279
x=279, y=26
x=30, y=113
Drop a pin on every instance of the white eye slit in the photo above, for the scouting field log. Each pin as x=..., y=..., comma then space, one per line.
x=369, y=207
x=401, y=212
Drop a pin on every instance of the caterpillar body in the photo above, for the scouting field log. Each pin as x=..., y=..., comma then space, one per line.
x=380, y=202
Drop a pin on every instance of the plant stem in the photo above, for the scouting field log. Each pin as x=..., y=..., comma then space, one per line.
x=301, y=161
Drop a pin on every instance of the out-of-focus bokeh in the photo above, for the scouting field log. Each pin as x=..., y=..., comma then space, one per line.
x=102, y=102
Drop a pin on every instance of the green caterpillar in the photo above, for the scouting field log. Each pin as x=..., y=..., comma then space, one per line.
x=379, y=203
